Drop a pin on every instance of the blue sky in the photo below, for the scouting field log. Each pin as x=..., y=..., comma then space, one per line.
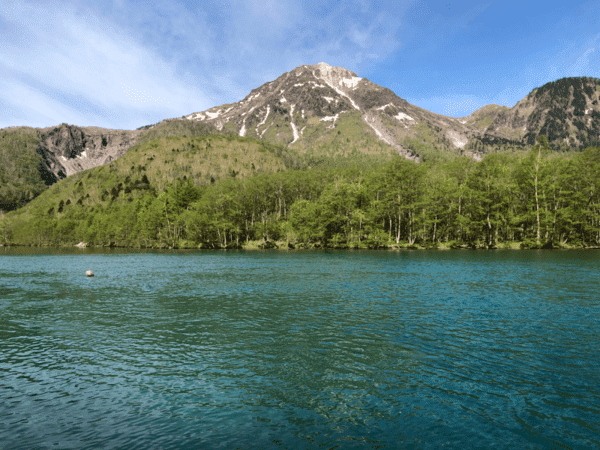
x=123, y=64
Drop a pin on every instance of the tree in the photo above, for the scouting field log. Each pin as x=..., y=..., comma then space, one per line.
x=531, y=185
x=490, y=187
x=6, y=233
x=404, y=185
x=310, y=221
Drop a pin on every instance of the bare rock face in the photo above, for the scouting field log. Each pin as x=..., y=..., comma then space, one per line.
x=68, y=149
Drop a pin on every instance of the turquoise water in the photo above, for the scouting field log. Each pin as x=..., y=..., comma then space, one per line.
x=300, y=350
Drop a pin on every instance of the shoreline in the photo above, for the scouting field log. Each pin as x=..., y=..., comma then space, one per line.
x=286, y=246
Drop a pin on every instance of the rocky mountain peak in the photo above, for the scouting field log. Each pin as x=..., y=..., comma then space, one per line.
x=307, y=105
x=310, y=106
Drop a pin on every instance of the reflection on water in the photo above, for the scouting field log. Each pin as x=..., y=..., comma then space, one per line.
x=182, y=349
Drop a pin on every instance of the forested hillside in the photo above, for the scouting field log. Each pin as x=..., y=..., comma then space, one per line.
x=32, y=159
x=22, y=175
x=157, y=196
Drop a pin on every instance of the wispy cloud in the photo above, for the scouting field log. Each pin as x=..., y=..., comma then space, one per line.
x=73, y=65
x=586, y=63
x=123, y=64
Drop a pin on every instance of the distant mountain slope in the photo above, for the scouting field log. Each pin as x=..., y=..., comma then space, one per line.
x=152, y=165
x=566, y=110
x=329, y=109
x=31, y=159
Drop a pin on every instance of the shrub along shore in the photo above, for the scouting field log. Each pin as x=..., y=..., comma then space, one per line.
x=289, y=246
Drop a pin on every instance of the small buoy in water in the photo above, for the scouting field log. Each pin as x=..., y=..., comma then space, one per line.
x=89, y=273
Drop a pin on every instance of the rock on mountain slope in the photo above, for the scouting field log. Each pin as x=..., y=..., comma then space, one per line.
x=31, y=159
x=68, y=149
x=331, y=109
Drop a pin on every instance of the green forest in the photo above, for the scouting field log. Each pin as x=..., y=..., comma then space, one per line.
x=538, y=199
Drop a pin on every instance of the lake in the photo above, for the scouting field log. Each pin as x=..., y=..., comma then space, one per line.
x=299, y=349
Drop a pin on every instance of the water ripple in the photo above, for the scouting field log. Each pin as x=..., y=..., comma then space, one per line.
x=311, y=350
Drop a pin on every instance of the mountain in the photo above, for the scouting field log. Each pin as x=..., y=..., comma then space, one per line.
x=331, y=110
x=325, y=109
x=154, y=164
x=567, y=111
x=33, y=158
x=318, y=111
x=68, y=149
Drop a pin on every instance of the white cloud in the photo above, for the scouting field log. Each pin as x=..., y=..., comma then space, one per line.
x=583, y=65
x=35, y=108
x=58, y=50
x=159, y=60
x=126, y=64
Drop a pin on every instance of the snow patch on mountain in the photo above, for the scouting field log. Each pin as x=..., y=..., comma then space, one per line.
x=334, y=118
x=196, y=116
x=330, y=75
x=329, y=99
x=213, y=115
x=263, y=131
x=219, y=124
x=264, y=120
x=299, y=84
x=381, y=108
x=243, y=129
x=283, y=100
x=294, y=130
x=401, y=116
x=350, y=82
x=377, y=132
x=338, y=91
x=328, y=118
x=351, y=101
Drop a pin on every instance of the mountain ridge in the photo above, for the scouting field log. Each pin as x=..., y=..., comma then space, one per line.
x=318, y=110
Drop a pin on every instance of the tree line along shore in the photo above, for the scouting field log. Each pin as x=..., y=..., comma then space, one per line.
x=539, y=199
